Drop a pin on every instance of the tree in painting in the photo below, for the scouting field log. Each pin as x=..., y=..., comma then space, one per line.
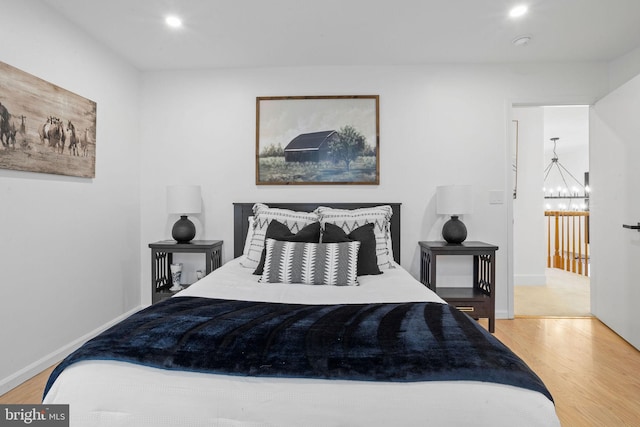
x=349, y=145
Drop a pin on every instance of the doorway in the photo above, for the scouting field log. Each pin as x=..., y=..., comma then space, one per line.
x=550, y=178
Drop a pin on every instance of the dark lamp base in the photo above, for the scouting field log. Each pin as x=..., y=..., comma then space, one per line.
x=454, y=231
x=183, y=230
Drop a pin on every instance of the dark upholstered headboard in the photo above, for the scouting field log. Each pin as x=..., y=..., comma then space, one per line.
x=242, y=212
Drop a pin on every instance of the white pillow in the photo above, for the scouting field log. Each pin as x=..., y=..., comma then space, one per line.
x=247, y=242
x=350, y=219
x=263, y=215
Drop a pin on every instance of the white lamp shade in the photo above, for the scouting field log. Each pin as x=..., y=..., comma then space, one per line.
x=184, y=199
x=454, y=199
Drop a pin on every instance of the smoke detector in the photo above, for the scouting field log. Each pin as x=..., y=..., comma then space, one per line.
x=521, y=40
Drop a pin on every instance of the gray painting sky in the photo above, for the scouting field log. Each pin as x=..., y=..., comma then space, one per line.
x=283, y=120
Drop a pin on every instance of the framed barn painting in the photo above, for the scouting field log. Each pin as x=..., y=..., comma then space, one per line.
x=302, y=140
x=44, y=128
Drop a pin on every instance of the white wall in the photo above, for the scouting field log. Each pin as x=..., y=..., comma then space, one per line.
x=438, y=124
x=69, y=247
x=624, y=68
x=74, y=251
x=529, y=238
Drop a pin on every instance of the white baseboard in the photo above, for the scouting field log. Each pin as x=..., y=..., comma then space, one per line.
x=14, y=380
x=530, y=280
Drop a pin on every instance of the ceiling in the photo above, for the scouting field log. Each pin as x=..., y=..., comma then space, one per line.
x=258, y=33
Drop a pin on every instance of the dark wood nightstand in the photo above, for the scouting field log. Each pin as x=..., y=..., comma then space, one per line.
x=162, y=257
x=478, y=301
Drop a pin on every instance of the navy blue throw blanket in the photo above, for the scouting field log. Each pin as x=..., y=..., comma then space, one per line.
x=402, y=342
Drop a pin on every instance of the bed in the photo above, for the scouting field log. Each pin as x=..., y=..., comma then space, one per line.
x=371, y=346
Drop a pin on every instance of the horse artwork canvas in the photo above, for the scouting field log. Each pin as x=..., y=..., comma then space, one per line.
x=45, y=128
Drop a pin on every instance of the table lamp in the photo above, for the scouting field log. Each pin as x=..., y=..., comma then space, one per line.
x=454, y=200
x=183, y=200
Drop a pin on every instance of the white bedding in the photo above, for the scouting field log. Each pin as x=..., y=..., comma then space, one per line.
x=108, y=393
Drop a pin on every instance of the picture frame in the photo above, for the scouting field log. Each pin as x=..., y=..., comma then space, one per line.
x=45, y=128
x=318, y=140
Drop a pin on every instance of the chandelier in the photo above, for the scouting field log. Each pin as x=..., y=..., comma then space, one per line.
x=571, y=189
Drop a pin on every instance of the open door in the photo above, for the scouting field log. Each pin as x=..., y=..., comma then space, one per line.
x=615, y=201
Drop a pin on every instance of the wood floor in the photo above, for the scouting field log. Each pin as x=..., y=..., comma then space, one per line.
x=592, y=373
x=28, y=392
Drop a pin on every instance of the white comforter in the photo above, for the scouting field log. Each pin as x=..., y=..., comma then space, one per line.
x=108, y=393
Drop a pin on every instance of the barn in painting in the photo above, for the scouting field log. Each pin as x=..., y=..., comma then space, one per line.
x=310, y=147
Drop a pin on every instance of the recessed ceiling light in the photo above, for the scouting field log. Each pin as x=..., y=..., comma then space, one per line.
x=173, y=21
x=518, y=11
x=521, y=40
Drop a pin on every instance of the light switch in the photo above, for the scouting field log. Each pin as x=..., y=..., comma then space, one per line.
x=496, y=197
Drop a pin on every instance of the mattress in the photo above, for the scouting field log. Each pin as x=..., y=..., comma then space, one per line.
x=110, y=393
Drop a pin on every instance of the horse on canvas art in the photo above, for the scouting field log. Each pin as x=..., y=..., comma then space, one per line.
x=84, y=144
x=73, y=139
x=5, y=126
x=53, y=131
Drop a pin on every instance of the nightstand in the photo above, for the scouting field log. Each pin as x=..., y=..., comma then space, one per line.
x=478, y=300
x=162, y=257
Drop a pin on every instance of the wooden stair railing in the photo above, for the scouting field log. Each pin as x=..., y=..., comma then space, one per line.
x=568, y=241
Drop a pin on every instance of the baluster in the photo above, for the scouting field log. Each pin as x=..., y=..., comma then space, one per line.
x=567, y=242
x=573, y=240
x=548, y=240
x=570, y=241
x=563, y=249
x=586, y=244
x=557, y=259
x=580, y=241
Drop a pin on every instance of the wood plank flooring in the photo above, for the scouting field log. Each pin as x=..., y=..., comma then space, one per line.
x=29, y=391
x=592, y=373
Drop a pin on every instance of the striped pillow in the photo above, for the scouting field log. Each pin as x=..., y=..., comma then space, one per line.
x=311, y=263
x=263, y=215
x=351, y=219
